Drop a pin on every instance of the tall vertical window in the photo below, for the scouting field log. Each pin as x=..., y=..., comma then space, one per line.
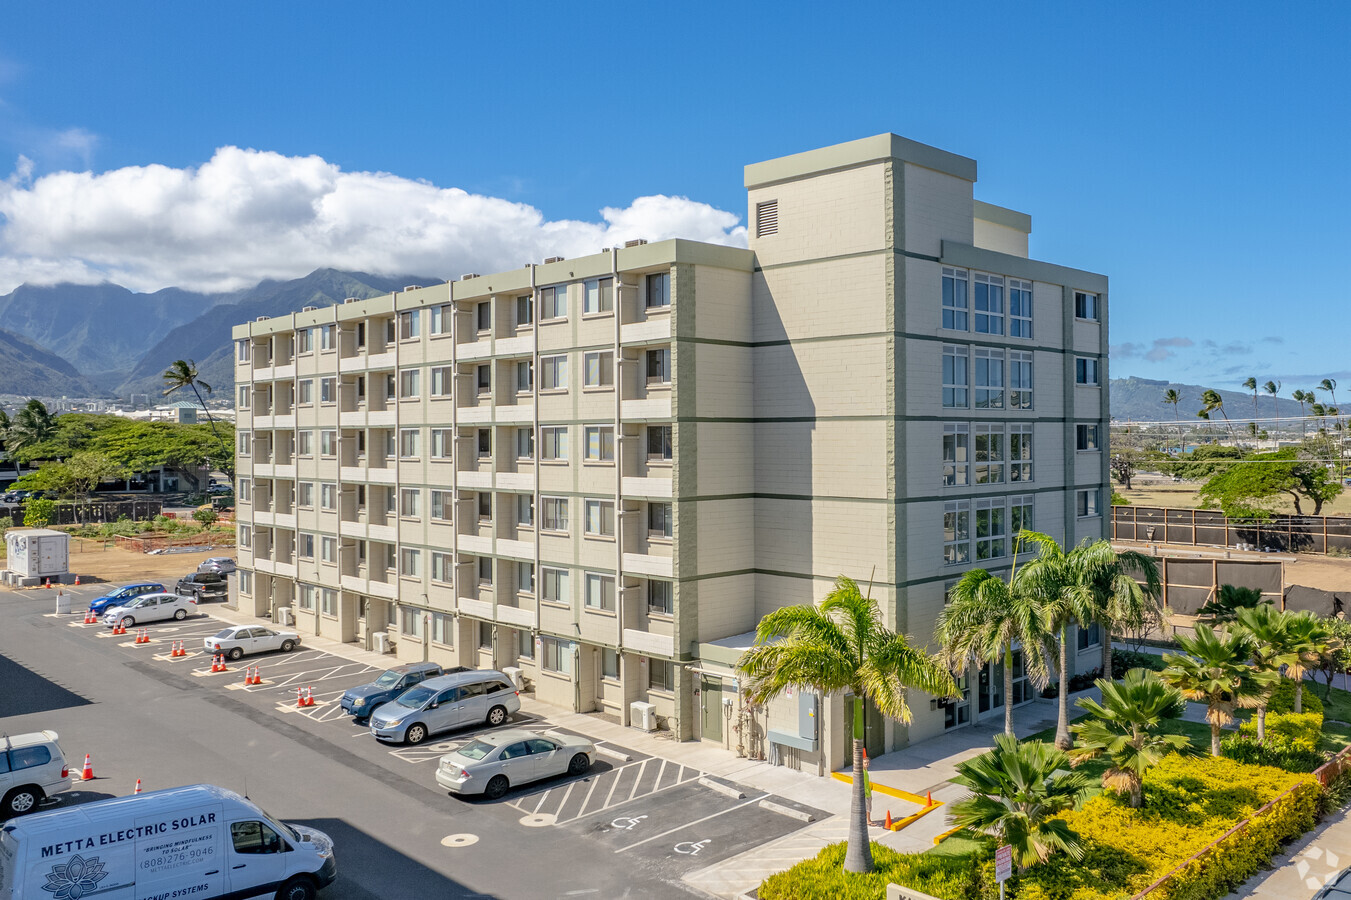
x=1085, y=370
x=525, y=376
x=328, y=495
x=660, y=598
x=1086, y=438
x=410, y=499
x=989, y=366
x=658, y=290
x=956, y=379
x=304, y=341
x=243, y=402
x=442, y=505
x=243, y=443
x=1020, y=513
x=658, y=367
x=553, y=514
x=556, y=655
x=410, y=324
x=328, y=390
x=599, y=517
x=328, y=549
x=989, y=453
x=598, y=369
x=443, y=443
x=1020, y=308
x=600, y=592
x=485, y=506
x=989, y=303
x=660, y=675
x=600, y=443
x=485, y=570
x=483, y=380
x=485, y=443
x=525, y=443
x=443, y=629
x=410, y=562
x=304, y=442
x=554, y=302
x=409, y=383
x=956, y=458
x=554, y=586
x=328, y=442
x=955, y=305
x=305, y=494
x=525, y=510
x=956, y=532
x=1020, y=453
x=1088, y=503
x=305, y=392
x=443, y=381
x=1085, y=306
x=525, y=310
x=598, y=295
x=659, y=520
x=1020, y=379
x=243, y=351
x=553, y=373
x=440, y=319
x=658, y=442
x=483, y=317
x=991, y=528
x=525, y=577
x=609, y=663
x=408, y=443
x=553, y=442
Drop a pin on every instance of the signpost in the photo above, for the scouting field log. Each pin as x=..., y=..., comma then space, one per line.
x=1003, y=867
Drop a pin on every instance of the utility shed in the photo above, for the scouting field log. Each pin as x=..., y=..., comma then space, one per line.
x=37, y=553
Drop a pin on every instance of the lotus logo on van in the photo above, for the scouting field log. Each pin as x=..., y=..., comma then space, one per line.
x=74, y=879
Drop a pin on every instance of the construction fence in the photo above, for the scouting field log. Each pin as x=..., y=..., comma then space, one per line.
x=96, y=512
x=1211, y=528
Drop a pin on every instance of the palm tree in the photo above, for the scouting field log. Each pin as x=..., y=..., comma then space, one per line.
x=1329, y=385
x=1213, y=669
x=1310, y=639
x=1062, y=582
x=986, y=616
x=1273, y=388
x=1123, y=727
x=183, y=374
x=1120, y=599
x=1251, y=384
x=1017, y=793
x=842, y=645
x=1274, y=647
x=32, y=424
x=1211, y=401
x=1301, y=397
x=1229, y=600
x=1172, y=396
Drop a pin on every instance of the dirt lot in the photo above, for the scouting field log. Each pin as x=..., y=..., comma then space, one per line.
x=1153, y=489
x=93, y=560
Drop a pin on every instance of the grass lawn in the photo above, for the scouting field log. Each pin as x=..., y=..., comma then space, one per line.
x=1338, y=704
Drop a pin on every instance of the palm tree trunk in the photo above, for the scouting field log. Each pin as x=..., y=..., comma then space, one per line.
x=858, y=856
x=1107, y=651
x=1299, y=694
x=1062, y=719
x=1008, y=689
x=1262, y=724
x=228, y=457
x=1214, y=738
x=1137, y=793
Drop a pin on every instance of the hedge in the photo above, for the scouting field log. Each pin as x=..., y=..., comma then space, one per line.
x=1300, y=731
x=1283, y=699
x=822, y=877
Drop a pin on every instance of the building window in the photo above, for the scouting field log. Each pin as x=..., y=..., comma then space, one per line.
x=553, y=373
x=658, y=442
x=554, y=586
x=485, y=635
x=989, y=366
x=554, y=301
x=598, y=295
x=409, y=501
x=766, y=218
x=991, y=529
x=485, y=506
x=955, y=306
x=411, y=626
x=483, y=317
x=328, y=390
x=410, y=563
x=956, y=453
x=1020, y=513
x=245, y=582
x=525, y=443
x=245, y=490
x=391, y=444
x=1020, y=453
x=658, y=366
x=600, y=592
x=328, y=549
x=443, y=629
x=243, y=402
x=956, y=379
x=525, y=510
x=305, y=597
x=660, y=598
x=1020, y=379
x=442, y=568
x=485, y=443
x=599, y=517
x=554, y=514
x=443, y=441
x=553, y=442
x=956, y=532
x=609, y=663
x=485, y=570
x=989, y=456
x=328, y=602
x=442, y=506
x=243, y=443
x=1086, y=437
x=525, y=645
x=410, y=324
x=305, y=545
x=245, y=538
x=525, y=310
x=659, y=520
x=483, y=380
x=440, y=319
x=304, y=341
x=408, y=443
x=1085, y=370
x=408, y=383
x=1020, y=308
x=525, y=577
x=1085, y=306
x=243, y=351
x=660, y=675
x=557, y=656
x=305, y=494
x=1088, y=502
x=658, y=290
x=525, y=376
x=305, y=392
x=599, y=443
x=989, y=303
x=443, y=381
x=1090, y=636
x=328, y=443
x=391, y=383
x=304, y=443
x=598, y=369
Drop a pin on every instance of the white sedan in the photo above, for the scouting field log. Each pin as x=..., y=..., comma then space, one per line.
x=237, y=640
x=491, y=763
x=150, y=608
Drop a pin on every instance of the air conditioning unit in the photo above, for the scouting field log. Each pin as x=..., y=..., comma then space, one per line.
x=262, y=318
x=637, y=242
x=553, y=259
x=469, y=275
x=308, y=308
x=643, y=715
x=380, y=642
x=516, y=675
x=285, y=616
x=352, y=300
x=412, y=287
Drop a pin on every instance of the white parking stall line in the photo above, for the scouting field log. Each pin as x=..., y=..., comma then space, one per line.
x=610, y=795
x=639, y=780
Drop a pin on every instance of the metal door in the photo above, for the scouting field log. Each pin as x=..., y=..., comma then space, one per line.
x=711, y=694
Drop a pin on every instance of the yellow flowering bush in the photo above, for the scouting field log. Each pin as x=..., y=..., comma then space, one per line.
x=1299, y=731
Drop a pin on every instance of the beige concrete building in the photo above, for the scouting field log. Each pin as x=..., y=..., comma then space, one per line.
x=604, y=471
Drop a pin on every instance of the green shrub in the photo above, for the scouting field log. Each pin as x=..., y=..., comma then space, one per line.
x=1300, y=731
x=822, y=877
x=6, y=523
x=1125, y=660
x=1283, y=699
x=1278, y=752
x=39, y=513
x=205, y=516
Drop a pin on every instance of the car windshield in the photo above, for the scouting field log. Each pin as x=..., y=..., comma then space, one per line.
x=124, y=592
x=227, y=633
x=389, y=679
x=415, y=698
x=475, y=750
x=280, y=825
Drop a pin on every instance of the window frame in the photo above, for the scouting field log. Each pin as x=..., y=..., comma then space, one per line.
x=957, y=464
x=956, y=311
x=956, y=385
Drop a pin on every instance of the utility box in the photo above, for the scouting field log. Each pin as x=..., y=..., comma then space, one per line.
x=37, y=553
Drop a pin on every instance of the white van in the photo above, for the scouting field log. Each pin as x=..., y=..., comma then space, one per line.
x=197, y=842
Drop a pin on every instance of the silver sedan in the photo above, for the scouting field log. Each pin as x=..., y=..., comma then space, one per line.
x=492, y=763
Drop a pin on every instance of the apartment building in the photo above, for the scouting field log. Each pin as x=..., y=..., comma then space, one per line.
x=605, y=470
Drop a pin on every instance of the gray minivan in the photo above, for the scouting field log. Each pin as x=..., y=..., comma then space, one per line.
x=450, y=701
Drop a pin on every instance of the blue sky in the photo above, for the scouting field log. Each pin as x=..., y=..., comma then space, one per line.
x=1195, y=153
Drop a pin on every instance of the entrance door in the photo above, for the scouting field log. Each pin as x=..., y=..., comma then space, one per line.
x=711, y=695
x=958, y=712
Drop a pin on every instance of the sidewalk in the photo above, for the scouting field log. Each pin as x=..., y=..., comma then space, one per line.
x=1307, y=864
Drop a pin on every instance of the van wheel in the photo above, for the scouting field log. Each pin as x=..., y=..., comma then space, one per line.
x=579, y=764
x=497, y=715
x=416, y=734
x=287, y=646
x=180, y=614
x=298, y=888
x=497, y=787
x=236, y=653
x=22, y=800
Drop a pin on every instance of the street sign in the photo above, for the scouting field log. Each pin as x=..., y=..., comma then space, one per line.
x=1003, y=864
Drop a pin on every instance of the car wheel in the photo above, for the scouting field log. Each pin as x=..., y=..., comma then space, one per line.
x=298, y=888
x=128, y=622
x=22, y=800
x=579, y=764
x=497, y=715
x=236, y=653
x=416, y=734
x=287, y=646
x=497, y=787
x=180, y=614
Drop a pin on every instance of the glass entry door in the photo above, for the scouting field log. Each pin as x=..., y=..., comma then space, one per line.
x=958, y=712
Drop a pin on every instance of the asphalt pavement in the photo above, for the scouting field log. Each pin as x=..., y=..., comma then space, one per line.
x=631, y=827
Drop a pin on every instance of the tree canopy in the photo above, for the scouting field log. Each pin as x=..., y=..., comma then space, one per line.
x=1249, y=488
x=131, y=444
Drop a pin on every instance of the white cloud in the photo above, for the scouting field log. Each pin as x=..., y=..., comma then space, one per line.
x=247, y=215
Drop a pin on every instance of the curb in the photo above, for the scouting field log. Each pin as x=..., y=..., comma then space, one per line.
x=800, y=815
x=725, y=789
x=613, y=754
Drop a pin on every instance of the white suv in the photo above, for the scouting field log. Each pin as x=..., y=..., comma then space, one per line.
x=32, y=767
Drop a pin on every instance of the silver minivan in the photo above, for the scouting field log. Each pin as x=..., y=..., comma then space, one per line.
x=450, y=701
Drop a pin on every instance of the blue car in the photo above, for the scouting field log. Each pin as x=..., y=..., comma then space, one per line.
x=360, y=701
x=119, y=596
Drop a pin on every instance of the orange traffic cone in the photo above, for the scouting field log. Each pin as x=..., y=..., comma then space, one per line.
x=929, y=798
x=88, y=773
x=887, y=824
x=300, y=699
x=257, y=675
x=309, y=696
x=143, y=636
x=218, y=663
x=138, y=786
x=77, y=580
x=49, y=583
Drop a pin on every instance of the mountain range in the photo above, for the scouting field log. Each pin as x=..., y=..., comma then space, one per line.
x=1141, y=400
